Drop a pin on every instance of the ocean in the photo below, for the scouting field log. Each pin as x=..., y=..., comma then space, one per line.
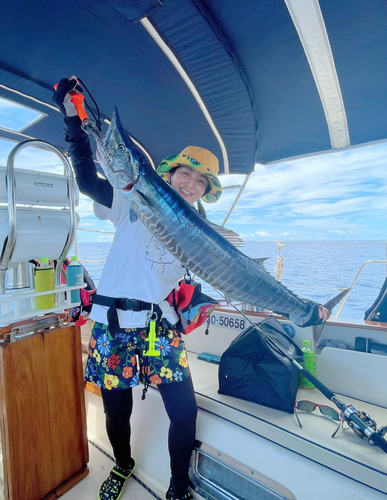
x=314, y=270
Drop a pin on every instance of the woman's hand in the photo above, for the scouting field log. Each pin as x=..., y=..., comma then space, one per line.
x=323, y=313
x=61, y=97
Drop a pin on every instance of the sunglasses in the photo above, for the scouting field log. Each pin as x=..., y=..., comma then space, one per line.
x=326, y=411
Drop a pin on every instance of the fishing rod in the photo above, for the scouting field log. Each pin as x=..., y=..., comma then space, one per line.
x=360, y=422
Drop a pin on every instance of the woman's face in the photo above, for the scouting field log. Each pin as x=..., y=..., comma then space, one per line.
x=189, y=183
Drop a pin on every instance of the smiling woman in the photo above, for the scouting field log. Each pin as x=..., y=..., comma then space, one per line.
x=255, y=83
x=132, y=299
x=202, y=169
x=189, y=183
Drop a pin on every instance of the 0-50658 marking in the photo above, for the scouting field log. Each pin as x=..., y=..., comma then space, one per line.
x=220, y=320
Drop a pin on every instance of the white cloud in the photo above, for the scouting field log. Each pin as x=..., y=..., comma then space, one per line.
x=342, y=191
x=84, y=236
x=338, y=232
x=263, y=234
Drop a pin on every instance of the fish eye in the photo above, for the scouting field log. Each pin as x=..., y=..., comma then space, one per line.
x=121, y=148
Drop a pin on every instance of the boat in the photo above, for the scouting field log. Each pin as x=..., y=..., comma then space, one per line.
x=256, y=83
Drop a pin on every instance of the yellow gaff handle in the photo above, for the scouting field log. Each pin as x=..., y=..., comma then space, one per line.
x=152, y=339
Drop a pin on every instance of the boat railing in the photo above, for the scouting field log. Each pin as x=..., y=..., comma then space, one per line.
x=246, y=306
x=366, y=263
x=76, y=242
x=38, y=221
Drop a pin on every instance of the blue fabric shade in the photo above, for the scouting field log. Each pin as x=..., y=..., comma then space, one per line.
x=245, y=60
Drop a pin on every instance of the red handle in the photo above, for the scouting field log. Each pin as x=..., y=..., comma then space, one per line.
x=77, y=99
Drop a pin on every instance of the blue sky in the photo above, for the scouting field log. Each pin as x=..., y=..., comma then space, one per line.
x=15, y=117
x=335, y=197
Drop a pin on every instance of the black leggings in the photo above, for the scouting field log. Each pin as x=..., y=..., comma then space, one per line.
x=180, y=404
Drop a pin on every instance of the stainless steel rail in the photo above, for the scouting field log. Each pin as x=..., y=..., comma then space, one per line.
x=90, y=231
x=355, y=280
x=241, y=189
x=11, y=193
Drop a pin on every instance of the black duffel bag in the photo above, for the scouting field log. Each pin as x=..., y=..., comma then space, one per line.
x=253, y=368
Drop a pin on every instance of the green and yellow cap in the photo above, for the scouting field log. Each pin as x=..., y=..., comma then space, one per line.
x=200, y=159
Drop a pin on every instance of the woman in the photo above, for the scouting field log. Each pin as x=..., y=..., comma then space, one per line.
x=138, y=276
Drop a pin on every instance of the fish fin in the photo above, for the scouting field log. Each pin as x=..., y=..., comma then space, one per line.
x=331, y=304
x=132, y=215
x=261, y=260
x=228, y=234
x=100, y=171
x=317, y=330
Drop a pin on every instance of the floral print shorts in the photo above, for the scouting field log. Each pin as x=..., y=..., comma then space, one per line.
x=117, y=361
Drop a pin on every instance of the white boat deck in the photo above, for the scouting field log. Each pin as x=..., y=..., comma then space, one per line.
x=306, y=460
x=346, y=453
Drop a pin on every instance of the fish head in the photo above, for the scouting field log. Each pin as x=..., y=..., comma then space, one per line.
x=121, y=157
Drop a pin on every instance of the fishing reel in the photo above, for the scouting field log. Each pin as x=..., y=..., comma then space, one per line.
x=351, y=413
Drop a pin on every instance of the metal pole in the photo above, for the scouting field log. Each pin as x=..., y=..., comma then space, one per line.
x=236, y=199
x=354, y=281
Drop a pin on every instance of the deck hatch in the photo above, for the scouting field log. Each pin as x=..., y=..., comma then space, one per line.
x=217, y=476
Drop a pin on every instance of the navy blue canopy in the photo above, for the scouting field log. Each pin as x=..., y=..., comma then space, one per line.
x=253, y=81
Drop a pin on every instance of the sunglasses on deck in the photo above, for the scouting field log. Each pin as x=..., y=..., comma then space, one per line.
x=325, y=410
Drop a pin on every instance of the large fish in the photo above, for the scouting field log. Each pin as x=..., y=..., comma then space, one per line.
x=187, y=235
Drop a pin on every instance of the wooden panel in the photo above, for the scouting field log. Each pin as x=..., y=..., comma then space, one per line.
x=94, y=388
x=25, y=425
x=6, y=329
x=66, y=402
x=65, y=487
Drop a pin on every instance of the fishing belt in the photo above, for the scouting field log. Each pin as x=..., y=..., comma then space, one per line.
x=125, y=305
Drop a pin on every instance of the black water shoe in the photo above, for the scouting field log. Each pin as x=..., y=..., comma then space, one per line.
x=170, y=495
x=113, y=486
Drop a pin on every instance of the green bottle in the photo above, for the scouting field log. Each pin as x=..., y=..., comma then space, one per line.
x=44, y=281
x=309, y=364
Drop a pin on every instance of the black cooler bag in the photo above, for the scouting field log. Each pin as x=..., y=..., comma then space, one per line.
x=254, y=369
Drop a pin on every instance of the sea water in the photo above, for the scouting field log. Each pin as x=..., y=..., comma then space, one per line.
x=313, y=270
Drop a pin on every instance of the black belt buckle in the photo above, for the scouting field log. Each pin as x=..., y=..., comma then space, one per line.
x=129, y=304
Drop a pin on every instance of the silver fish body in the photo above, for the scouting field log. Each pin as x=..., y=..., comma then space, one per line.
x=187, y=236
